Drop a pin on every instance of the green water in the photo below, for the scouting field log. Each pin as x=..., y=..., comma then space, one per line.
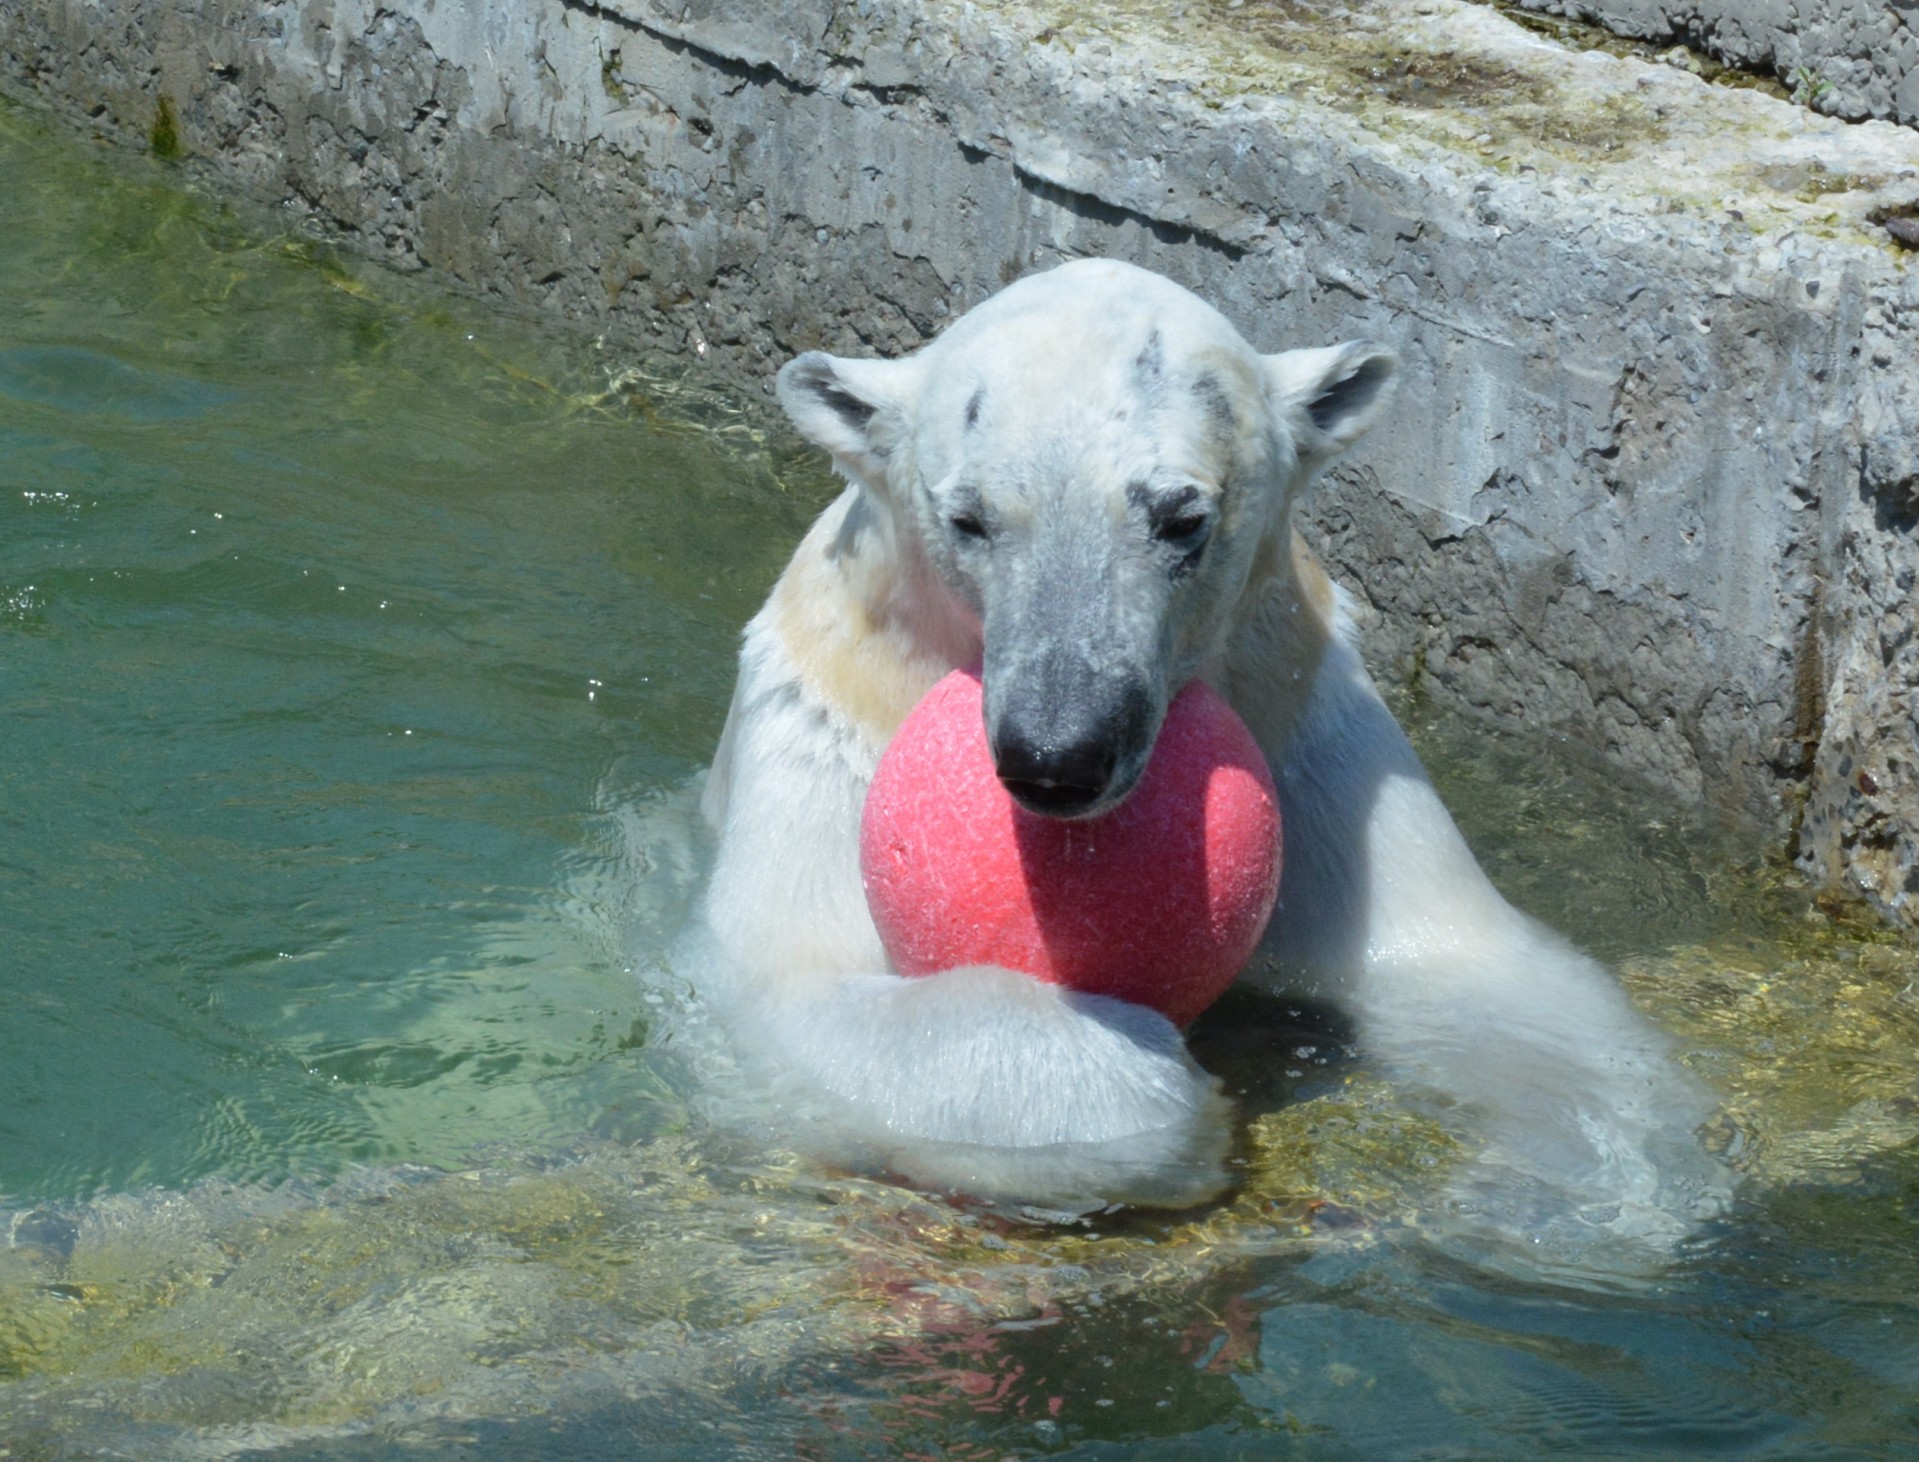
x=329, y=617
x=357, y=647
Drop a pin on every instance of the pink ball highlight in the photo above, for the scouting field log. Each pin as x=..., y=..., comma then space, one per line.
x=1160, y=901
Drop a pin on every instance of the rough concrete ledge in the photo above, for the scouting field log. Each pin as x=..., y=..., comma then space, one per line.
x=1652, y=481
x=1850, y=58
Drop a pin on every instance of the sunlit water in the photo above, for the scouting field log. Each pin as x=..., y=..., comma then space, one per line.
x=358, y=649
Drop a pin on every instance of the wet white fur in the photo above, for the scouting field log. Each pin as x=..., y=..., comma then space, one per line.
x=984, y=1081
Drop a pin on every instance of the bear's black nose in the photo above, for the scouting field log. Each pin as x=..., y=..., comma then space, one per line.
x=1051, y=778
x=1070, y=743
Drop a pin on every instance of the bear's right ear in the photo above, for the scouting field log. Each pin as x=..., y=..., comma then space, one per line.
x=857, y=409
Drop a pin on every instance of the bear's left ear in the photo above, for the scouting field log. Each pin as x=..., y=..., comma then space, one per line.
x=1328, y=398
x=857, y=409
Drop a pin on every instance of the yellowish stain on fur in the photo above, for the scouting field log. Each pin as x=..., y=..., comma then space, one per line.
x=1315, y=586
x=845, y=612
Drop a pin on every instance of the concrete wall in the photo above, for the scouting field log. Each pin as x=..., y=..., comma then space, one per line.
x=1652, y=481
x=1852, y=58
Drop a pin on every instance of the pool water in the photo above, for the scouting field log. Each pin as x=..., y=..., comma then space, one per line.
x=359, y=652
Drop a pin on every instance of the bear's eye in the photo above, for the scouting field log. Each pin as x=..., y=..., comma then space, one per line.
x=968, y=525
x=1184, y=528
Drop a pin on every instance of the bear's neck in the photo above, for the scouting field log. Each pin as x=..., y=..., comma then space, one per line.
x=1287, y=620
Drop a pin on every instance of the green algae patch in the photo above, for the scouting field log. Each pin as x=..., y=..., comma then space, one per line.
x=1810, y=181
x=1447, y=79
x=1363, y=1152
x=1581, y=35
x=233, y=1307
x=163, y=138
x=36, y=1308
x=1811, y=1039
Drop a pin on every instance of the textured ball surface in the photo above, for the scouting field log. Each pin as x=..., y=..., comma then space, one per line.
x=1160, y=901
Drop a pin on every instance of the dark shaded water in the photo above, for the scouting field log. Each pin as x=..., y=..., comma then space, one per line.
x=357, y=647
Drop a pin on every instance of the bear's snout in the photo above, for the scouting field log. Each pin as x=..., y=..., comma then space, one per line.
x=1072, y=750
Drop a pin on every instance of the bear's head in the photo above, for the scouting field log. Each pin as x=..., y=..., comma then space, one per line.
x=1096, y=463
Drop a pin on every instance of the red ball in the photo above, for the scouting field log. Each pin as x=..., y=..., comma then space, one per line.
x=1160, y=901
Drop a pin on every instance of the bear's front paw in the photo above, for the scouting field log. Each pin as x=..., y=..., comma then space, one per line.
x=988, y=1082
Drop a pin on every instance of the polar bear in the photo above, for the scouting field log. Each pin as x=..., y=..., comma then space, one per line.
x=1086, y=485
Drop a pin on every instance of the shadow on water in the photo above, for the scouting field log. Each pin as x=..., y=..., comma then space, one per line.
x=359, y=651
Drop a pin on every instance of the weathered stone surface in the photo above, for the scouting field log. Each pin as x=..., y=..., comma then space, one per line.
x=1852, y=58
x=1651, y=481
